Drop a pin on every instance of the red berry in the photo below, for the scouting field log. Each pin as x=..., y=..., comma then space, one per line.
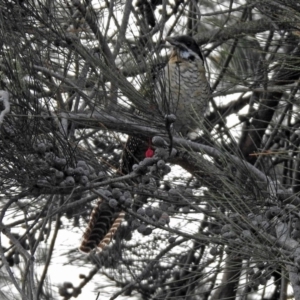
x=149, y=152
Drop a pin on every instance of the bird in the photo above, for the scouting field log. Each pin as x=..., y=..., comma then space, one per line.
x=181, y=88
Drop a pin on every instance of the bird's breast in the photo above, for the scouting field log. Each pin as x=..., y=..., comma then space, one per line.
x=187, y=92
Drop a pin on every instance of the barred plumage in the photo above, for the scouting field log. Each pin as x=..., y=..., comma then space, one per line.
x=184, y=90
x=103, y=224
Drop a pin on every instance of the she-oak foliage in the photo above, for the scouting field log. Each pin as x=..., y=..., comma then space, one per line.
x=212, y=217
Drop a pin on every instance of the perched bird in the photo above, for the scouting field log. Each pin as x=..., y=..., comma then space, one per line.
x=183, y=89
x=180, y=88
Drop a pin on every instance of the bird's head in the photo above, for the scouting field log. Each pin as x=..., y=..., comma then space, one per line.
x=185, y=47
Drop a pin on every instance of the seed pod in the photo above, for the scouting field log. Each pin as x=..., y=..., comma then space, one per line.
x=250, y=272
x=161, y=153
x=254, y=284
x=147, y=231
x=159, y=142
x=101, y=175
x=116, y=193
x=164, y=216
x=166, y=170
x=68, y=285
x=162, y=222
x=262, y=280
x=128, y=202
x=140, y=169
x=59, y=174
x=145, y=179
x=122, y=199
x=142, y=228
x=69, y=181
x=49, y=157
x=41, y=148
x=172, y=239
x=188, y=192
x=153, y=169
x=92, y=176
x=173, y=152
x=141, y=211
x=149, y=211
x=135, y=224
x=107, y=193
x=185, y=210
x=170, y=118
x=260, y=265
x=69, y=171
x=148, y=161
x=127, y=195
x=246, y=234
x=91, y=169
x=161, y=163
x=214, y=251
x=82, y=164
x=226, y=228
x=60, y=162
x=62, y=291
x=84, y=180
x=63, y=184
x=157, y=213
x=229, y=235
x=113, y=203
x=79, y=171
x=173, y=192
x=86, y=172
x=272, y=212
